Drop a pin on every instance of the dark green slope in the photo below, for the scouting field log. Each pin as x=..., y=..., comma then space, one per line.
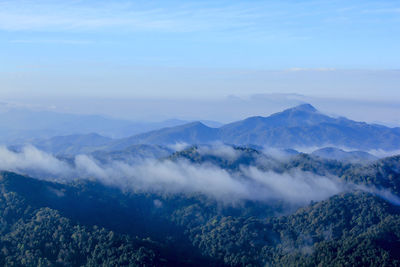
x=90, y=205
x=246, y=156
x=382, y=174
x=31, y=235
x=62, y=224
x=346, y=230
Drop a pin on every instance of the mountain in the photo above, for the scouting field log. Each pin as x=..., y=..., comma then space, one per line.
x=304, y=126
x=21, y=125
x=132, y=153
x=301, y=115
x=191, y=133
x=301, y=126
x=341, y=155
x=72, y=144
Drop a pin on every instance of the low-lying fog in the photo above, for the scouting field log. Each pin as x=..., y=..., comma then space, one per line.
x=180, y=176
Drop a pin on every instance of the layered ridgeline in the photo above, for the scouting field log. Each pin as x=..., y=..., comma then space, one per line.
x=180, y=197
x=301, y=126
x=26, y=125
x=298, y=127
x=301, y=210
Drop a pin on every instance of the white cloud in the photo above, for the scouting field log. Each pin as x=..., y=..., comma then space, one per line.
x=51, y=41
x=33, y=160
x=80, y=16
x=179, y=146
x=219, y=150
x=392, y=10
x=175, y=177
x=295, y=187
x=184, y=177
x=311, y=69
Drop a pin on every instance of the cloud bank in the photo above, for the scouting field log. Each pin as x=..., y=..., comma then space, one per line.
x=219, y=150
x=33, y=161
x=177, y=177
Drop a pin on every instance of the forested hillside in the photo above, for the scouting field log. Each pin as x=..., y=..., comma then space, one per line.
x=84, y=222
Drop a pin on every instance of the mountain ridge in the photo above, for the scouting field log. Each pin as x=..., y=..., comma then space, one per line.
x=293, y=128
x=300, y=126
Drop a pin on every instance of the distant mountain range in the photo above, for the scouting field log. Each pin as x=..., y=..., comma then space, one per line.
x=73, y=144
x=24, y=125
x=346, y=156
x=299, y=127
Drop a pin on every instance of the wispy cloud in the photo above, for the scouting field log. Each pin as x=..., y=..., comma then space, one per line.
x=71, y=15
x=393, y=10
x=51, y=41
x=77, y=15
x=310, y=69
x=176, y=177
x=166, y=16
x=259, y=22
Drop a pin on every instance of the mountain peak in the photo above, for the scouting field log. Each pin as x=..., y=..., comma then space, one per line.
x=192, y=125
x=304, y=107
x=195, y=124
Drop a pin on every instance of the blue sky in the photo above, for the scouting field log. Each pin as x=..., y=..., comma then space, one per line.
x=199, y=48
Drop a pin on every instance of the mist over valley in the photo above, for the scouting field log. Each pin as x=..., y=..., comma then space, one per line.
x=199, y=133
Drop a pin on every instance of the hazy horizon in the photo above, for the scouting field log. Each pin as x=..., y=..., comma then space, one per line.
x=223, y=109
x=199, y=49
x=202, y=60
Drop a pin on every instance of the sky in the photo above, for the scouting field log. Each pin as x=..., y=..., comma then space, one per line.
x=199, y=49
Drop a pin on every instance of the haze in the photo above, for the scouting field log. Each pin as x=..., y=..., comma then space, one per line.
x=62, y=55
